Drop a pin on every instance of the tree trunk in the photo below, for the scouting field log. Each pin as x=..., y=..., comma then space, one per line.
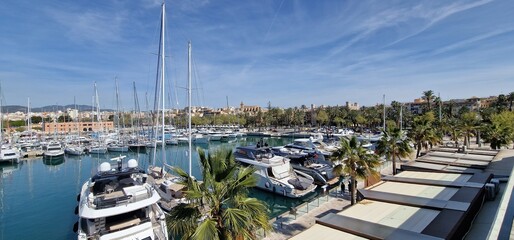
x=354, y=191
x=394, y=165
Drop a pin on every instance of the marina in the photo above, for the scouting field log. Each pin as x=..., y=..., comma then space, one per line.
x=43, y=192
x=293, y=120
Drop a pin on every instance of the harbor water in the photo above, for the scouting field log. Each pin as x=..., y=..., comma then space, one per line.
x=38, y=197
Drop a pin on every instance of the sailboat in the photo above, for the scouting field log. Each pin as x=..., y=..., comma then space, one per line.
x=54, y=149
x=74, y=148
x=167, y=185
x=117, y=146
x=8, y=153
x=97, y=147
x=120, y=202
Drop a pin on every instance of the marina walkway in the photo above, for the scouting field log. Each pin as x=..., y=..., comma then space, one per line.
x=289, y=224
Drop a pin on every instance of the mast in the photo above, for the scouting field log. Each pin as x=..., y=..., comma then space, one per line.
x=117, y=109
x=189, y=100
x=117, y=103
x=97, y=105
x=163, y=145
x=29, y=128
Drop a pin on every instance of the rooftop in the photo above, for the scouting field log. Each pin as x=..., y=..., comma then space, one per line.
x=439, y=196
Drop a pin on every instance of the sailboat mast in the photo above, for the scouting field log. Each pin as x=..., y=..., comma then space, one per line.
x=162, y=82
x=189, y=101
x=29, y=128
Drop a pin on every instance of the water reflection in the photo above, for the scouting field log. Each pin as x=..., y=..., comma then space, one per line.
x=7, y=168
x=53, y=161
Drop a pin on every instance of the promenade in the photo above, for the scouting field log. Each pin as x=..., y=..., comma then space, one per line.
x=287, y=225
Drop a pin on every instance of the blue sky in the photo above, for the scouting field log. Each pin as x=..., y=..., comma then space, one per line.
x=285, y=52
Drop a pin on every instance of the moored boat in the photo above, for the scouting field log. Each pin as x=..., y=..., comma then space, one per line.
x=9, y=154
x=275, y=173
x=118, y=203
x=53, y=150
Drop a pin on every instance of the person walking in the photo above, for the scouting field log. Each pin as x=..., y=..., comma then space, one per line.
x=343, y=190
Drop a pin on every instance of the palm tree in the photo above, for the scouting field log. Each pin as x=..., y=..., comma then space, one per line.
x=423, y=133
x=449, y=127
x=394, y=144
x=428, y=96
x=468, y=124
x=218, y=207
x=356, y=162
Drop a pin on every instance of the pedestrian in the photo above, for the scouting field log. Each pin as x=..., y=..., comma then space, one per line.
x=350, y=186
x=342, y=188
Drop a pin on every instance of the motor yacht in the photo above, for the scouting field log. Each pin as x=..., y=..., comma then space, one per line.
x=274, y=173
x=118, y=203
x=53, y=150
x=9, y=153
x=309, y=163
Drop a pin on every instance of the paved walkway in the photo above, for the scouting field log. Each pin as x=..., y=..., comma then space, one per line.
x=287, y=226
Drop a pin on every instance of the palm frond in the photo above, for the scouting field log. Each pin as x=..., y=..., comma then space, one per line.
x=206, y=230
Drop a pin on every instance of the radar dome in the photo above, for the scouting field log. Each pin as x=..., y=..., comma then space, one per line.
x=132, y=163
x=104, y=167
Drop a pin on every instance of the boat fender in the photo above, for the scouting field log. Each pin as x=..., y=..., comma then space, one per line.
x=284, y=191
x=274, y=189
x=76, y=227
x=78, y=197
x=267, y=185
x=76, y=210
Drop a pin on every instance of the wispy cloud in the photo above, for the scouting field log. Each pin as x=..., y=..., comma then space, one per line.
x=91, y=25
x=472, y=40
x=433, y=16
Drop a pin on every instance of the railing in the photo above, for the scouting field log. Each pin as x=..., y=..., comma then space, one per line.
x=306, y=207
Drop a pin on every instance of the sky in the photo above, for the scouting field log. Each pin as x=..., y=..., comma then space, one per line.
x=280, y=52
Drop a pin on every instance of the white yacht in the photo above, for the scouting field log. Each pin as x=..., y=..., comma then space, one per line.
x=200, y=138
x=98, y=148
x=117, y=147
x=74, y=150
x=118, y=203
x=53, y=150
x=9, y=154
x=275, y=173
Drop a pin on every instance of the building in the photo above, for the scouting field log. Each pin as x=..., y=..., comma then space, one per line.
x=352, y=106
x=68, y=127
x=251, y=110
x=416, y=107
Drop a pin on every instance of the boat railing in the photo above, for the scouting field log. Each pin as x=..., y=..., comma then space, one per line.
x=118, y=198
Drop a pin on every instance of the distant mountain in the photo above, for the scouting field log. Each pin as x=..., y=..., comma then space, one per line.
x=51, y=108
